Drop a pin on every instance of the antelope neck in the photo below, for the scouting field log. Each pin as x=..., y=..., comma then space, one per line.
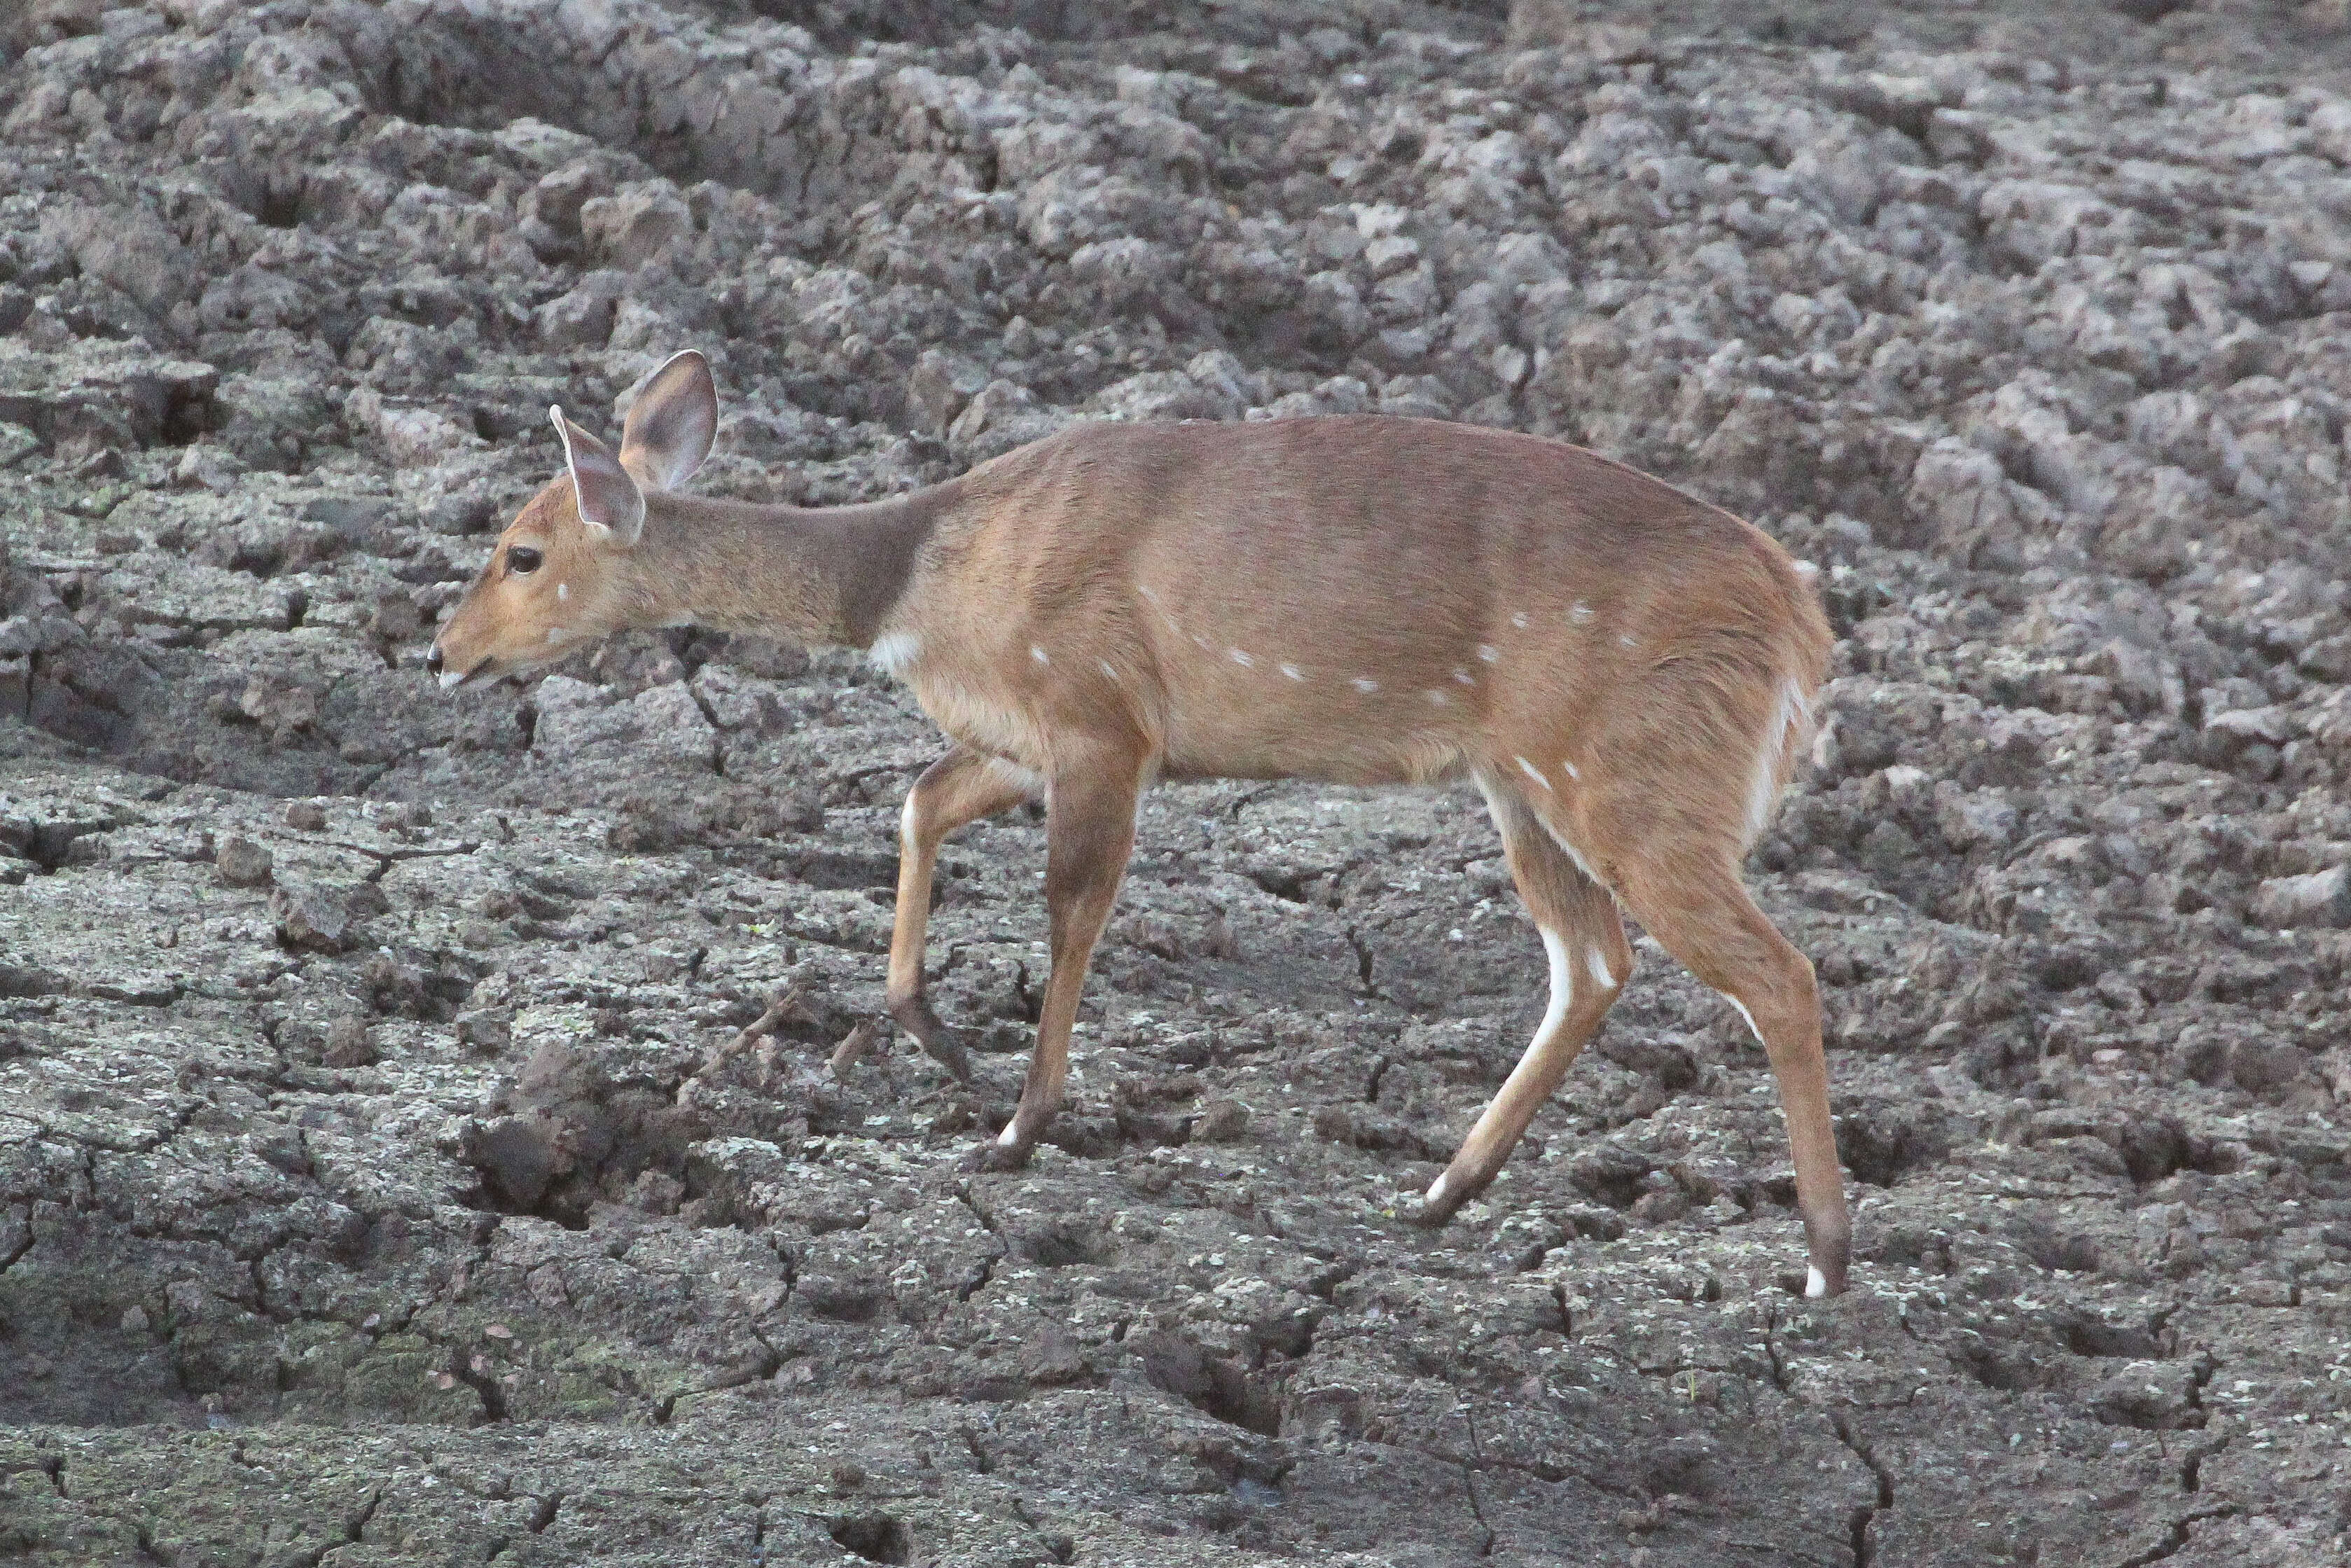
x=813, y=576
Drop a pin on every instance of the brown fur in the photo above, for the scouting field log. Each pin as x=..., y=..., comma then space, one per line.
x=1625, y=671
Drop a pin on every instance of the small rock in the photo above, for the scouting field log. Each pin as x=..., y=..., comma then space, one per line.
x=350, y=1043
x=242, y=863
x=847, y=1475
x=1221, y=1122
x=2322, y=898
x=487, y=1031
x=280, y=707
x=2260, y=1066
x=134, y=1320
x=308, y=816
x=314, y=918
x=1050, y=1357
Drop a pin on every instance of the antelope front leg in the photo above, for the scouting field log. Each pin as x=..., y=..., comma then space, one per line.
x=960, y=788
x=1088, y=833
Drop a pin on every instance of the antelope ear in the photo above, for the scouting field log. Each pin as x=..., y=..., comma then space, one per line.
x=609, y=499
x=672, y=424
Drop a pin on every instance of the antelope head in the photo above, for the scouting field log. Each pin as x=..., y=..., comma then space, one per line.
x=561, y=575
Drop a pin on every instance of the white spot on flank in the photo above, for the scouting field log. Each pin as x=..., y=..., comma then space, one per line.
x=1147, y=593
x=1437, y=1190
x=1238, y=657
x=1488, y=652
x=1579, y=612
x=1815, y=1282
x=1107, y=668
x=1292, y=671
x=1519, y=619
x=894, y=653
x=1437, y=699
x=1364, y=683
x=1533, y=772
x=1627, y=639
x=555, y=633
x=1572, y=773
x=1598, y=963
x=1464, y=677
x=1037, y=653
x=562, y=590
x=449, y=679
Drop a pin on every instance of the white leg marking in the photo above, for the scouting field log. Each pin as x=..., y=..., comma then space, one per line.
x=1292, y=671
x=1762, y=789
x=1815, y=1282
x=1437, y=1190
x=907, y=817
x=1009, y=1136
x=1533, y=772
x=1561, y=840
x=1562, y=997
x=1597, y=963
x=1562, y=989
x=894, y=653
x=449, y=678
x=1363, y=683
x=1751, y=1023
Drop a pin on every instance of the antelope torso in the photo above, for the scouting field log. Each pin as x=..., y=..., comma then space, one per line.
x=1381, y=623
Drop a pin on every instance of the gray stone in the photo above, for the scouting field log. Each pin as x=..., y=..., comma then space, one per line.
x=242, y=863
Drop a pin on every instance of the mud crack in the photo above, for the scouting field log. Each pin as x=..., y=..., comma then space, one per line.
x=2175, y=1536
x=1469, y=1468
x=1863, y=1515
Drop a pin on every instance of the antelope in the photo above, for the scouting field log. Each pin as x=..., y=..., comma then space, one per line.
x=1625, y=672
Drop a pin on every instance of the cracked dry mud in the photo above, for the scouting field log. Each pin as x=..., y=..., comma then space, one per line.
x=384, y=1178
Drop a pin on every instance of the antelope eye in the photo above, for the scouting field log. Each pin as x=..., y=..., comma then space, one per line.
x=521, y=558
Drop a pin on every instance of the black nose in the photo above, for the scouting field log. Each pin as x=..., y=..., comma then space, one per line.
x=432, y=661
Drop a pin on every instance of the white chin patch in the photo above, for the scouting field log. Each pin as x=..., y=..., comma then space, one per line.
x=449, y=679
x=1437, y=1190
x=1815, y=1282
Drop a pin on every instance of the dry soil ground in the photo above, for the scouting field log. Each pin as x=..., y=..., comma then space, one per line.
x=376, y=1185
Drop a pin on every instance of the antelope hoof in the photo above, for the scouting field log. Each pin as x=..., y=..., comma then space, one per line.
x=947, y=1049
x=997, y=1155
x=1445, y=1197
x=940, y=1043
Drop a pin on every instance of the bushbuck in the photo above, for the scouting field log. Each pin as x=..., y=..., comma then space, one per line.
x=1625, y=673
